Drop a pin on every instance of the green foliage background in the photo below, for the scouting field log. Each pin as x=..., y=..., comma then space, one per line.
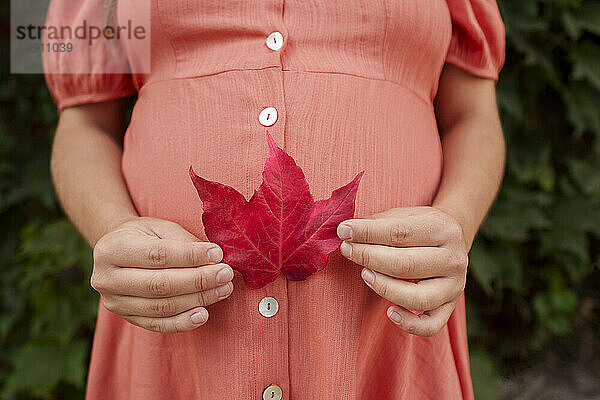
x=533, y=273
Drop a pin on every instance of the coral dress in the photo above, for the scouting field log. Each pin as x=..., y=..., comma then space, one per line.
x=352, y=83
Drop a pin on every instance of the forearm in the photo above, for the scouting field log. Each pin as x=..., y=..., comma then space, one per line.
x=474, y=154
x=86, y=170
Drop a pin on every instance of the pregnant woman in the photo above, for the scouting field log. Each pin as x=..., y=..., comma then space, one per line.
x=402, y=89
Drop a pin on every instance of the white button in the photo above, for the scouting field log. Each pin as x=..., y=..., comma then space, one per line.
x=268, y=307
x=272, y=392
x=275, y=41
x=268, y=116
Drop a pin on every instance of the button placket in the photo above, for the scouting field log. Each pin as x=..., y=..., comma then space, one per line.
x=269, y=307
x=272, y=305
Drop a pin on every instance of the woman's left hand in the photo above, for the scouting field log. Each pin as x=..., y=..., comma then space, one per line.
x=415, y=257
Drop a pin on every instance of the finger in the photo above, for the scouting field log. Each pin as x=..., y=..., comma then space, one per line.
x=166, y=229
x=412, y=230
x=183, y=322
x=165, y=307
x=400, y=212
x=428, y=323
x=152, y=252
x=424, y=295
x=410, y=262
x=161, y=283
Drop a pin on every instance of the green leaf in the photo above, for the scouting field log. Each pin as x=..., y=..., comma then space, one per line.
x=509, y=98
x=514, y=221
x=586, y=62
x=522, y=16
x=483, y=374
x=582, y=107
x=587, y=175
x=563, y=4
x=59, y=316
x=587, y=18
x=578, y=213
x=535, y=55
x=568, y=241
x=554, y=310
x=496, y=267
x=38, y=367
x=529, y=160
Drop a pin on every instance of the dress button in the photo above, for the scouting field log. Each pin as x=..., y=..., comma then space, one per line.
x=268, y=116
x=275, y=41
x=268, y=307
x=272, y=392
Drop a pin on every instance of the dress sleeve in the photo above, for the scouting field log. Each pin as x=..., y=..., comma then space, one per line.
x=478, y=38
x=93, y=71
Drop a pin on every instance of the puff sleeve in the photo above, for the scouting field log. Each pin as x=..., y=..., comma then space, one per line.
x=477, y=44
x=93, y=71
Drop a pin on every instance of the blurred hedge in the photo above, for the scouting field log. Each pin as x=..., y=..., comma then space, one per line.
x=540, y=242
x=530, y=267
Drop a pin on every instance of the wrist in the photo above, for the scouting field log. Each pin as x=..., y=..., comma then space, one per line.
x=113, y=223
x=462, y=217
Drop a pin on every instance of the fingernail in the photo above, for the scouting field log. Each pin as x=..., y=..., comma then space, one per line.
x=345, y=231
x=394, y=316
x=200, y=317
x=368, y=276
x=225, y=275
x=346, y=249
x=223, y=291
x=215, y=254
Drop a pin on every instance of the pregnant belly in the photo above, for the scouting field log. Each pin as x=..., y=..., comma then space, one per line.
x=334, y=125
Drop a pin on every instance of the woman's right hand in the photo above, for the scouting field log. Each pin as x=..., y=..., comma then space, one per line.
x=158, y=276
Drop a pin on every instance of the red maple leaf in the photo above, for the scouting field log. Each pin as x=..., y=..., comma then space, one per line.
x=281, y=229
